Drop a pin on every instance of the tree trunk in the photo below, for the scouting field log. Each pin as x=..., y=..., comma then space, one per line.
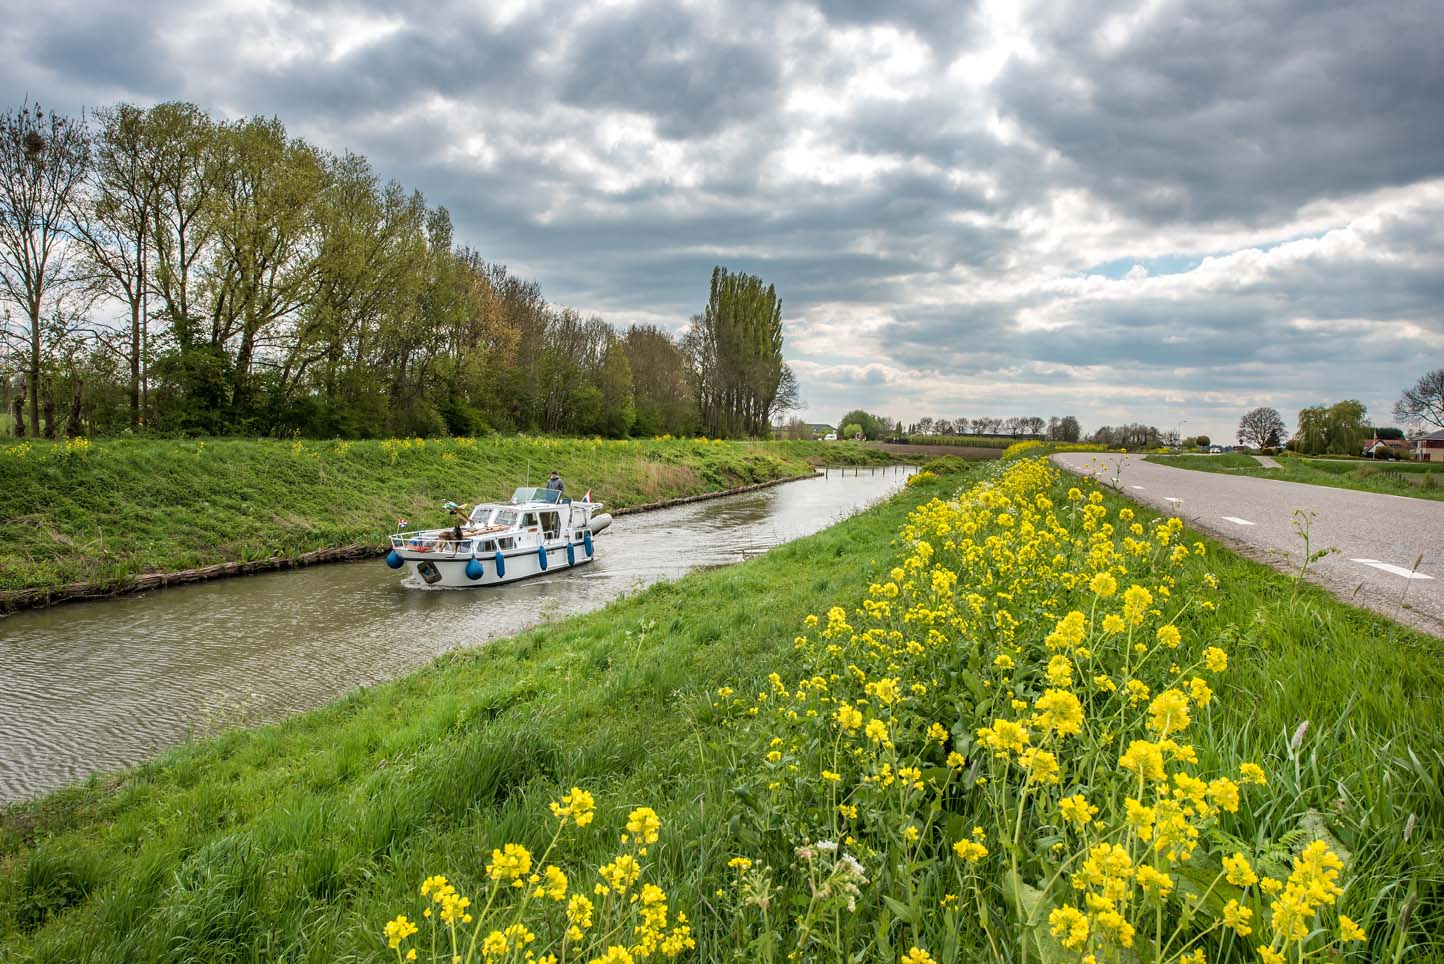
x=135, y=359
x=72, y=424
x=18, y=406
x=35, y=371
x=50, y=426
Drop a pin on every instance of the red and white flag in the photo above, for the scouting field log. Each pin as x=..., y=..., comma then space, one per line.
x=588, y=496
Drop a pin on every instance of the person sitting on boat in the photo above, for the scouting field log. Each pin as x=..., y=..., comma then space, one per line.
x=555, y=484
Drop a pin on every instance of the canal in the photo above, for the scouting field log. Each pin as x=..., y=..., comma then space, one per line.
x=91, y=687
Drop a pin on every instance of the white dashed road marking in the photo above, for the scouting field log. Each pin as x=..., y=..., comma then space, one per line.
x=1138, y=487
x=1396, y=570
x=1236, y=520
x=1169, y=498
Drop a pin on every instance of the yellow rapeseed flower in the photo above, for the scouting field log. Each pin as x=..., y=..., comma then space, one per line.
x=1349, y=931
x=1076, y=809
x=1168, y=713
x=1060, y=712
x=1070, y=926
x=1238, y=917
x=578, y=805
x=1143, y=758
x=1103, y=584
x=1215, y=659
x=1238, y=872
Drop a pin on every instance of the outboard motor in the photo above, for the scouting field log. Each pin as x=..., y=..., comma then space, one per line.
x=600, y=522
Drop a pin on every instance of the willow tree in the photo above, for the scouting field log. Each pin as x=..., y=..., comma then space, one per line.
x=735, y=351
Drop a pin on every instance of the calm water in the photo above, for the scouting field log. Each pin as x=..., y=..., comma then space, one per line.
x=95, y=686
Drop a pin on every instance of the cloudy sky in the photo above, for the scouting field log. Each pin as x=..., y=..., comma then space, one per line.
x=1149, y=211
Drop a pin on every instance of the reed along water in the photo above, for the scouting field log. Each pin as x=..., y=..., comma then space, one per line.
x=90, y=687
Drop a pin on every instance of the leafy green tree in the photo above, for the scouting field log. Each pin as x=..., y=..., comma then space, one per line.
x=871, y=426
x=1339, y=429
x=735, y=350
x=111, y=223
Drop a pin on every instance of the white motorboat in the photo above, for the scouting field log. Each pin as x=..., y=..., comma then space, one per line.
x=537, y=531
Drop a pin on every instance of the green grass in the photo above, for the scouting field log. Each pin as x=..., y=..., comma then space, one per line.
x=110, y=510
x=1417, y=479
x=298, y=841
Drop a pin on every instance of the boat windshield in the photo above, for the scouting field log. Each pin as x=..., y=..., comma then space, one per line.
x=536, y=495
x=482, y=514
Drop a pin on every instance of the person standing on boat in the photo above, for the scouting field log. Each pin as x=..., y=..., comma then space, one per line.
x=555, y=484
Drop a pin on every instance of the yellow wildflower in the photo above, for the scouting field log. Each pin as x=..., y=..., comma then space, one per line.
x=577, y=805
x=1070, y=926
x=1238, y=872
x=1168, y=713
x=1076, y=809
x=643, y=824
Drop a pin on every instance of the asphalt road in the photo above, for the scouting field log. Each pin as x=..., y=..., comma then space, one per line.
x=1388, y=549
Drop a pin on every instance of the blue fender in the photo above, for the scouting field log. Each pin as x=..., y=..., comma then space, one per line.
x=571, y=555
x=474, y=570
x=500, y=565
x=393, y=560
x=541, y=553
x=587, y=541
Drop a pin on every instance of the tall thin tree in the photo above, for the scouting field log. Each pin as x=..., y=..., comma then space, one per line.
x=43, y=160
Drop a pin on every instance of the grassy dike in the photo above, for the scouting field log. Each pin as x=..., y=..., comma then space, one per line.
x=298, y=841
x=102, y=513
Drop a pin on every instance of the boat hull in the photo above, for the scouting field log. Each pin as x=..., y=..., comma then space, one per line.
x=450, y=572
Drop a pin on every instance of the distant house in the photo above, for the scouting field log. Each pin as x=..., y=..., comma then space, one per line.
x=819, y=430
x=1428, y=448
x=1380, y=448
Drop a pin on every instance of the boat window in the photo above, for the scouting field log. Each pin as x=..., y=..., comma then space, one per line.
x=481, y=515
x=505, y=517
x=551, y=524
x=528, y=520
x=506, y=543
x=487, y=547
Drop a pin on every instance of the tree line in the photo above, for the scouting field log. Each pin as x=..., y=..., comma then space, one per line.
x=164, y=270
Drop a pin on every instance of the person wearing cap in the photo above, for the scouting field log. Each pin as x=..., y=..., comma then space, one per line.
x=555, y=483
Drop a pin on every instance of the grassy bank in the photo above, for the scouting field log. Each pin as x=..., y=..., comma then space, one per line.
x=1420, y=480
x=102, y=512
x=299, y=841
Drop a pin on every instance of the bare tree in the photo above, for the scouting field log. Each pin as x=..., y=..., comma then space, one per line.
x=1424, y=403
x=1262, y=428
x=43, y=160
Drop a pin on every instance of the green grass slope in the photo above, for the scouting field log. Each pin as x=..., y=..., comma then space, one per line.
x=298, y=841
x=102, y=512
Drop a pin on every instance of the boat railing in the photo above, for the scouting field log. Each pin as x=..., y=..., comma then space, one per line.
x=441, y=545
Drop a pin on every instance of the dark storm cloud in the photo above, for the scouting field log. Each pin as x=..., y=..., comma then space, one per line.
x=658, y=60
x=1237, y=110
x=616, y=153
